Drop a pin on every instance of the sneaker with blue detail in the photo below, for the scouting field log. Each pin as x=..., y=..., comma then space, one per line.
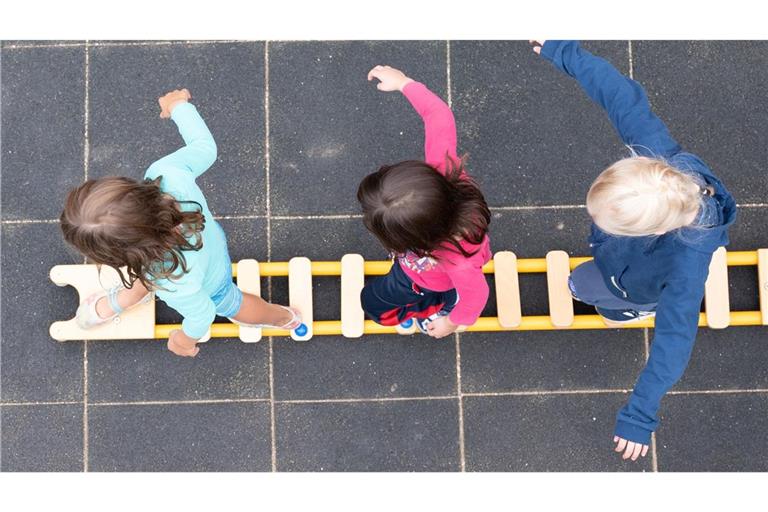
x=616, y=317
x=421, y=323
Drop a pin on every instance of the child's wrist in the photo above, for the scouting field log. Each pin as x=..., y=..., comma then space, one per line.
x=175, y=104
x=405, y=82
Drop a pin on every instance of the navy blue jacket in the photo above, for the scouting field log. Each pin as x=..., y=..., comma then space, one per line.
x=670, y=269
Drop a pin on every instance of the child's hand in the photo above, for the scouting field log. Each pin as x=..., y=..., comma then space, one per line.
x=537, y=44
x=633, y=450
x=181, y=344
x=391, y=79
x=170, y=100
x=441, y=327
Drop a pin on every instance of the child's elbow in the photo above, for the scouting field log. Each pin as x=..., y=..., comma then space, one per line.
x=210, y=152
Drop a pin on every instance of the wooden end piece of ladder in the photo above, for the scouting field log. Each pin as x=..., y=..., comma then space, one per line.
x=716, y=301
x=300, y=292
x=507, y=289
x=560, y=300
x=249, y=281
x=762, y=277
x=137, y=322
x=352, y=282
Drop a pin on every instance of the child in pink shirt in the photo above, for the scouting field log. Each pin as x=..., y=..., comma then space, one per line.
x=433, y=218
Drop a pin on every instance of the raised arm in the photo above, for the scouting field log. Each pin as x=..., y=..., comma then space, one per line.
x=199, y=153
x=439, y=124
x=622, y=98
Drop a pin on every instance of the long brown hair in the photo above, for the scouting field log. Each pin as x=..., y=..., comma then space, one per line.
x=410, y=206
x=119, y=221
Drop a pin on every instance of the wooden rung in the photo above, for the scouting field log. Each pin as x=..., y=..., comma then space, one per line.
x=560, y=300
x=507, y=289
x=249, y=281
x=300, y=293
x=762, y=279
x=352, y=282
x=137, y=322
x=716, y=302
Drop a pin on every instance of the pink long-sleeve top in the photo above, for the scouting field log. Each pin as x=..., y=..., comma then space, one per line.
x=448, y=269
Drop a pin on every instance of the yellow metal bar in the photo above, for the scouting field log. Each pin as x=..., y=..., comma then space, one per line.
x=524, y=265
x=483, y=324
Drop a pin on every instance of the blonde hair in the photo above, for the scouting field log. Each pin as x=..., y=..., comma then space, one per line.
x=642, y=196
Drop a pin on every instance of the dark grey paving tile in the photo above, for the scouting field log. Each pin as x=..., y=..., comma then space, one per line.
x=321, y=240
x=368, y=436
x=713, y=433
x=533, y=136
x=41, y=438
x=707, y=92
x=747, y=233
x=227, y=85
x=42, y=129
x=531, y=234
x=544, y=433
x=246, y=238
x=185, y=437
x=329, y=127
x=34, y=366
x=734, y=358
x=145, y=370
x=371, y=367
x=551, y=360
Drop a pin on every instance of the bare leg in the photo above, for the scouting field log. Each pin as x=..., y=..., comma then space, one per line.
x=126, y=298
x=256, y=310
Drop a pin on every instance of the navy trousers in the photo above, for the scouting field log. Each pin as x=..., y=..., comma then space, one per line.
x=394, y=298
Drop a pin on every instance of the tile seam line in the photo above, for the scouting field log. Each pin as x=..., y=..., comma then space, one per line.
x=86, y=158
x=190, y=42
x=457, y=336
x=331, y=401
x=31, y=404
x=755, y=391
x=268, y=211
x=357, y=216
x=179, y=402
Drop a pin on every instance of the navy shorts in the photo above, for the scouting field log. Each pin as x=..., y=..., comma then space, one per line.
x=587, y=285
x=394, y=298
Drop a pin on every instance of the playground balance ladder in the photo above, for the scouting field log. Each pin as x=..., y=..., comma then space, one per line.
x=139, y=321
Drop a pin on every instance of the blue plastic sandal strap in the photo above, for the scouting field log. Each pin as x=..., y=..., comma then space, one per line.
x=112, y=298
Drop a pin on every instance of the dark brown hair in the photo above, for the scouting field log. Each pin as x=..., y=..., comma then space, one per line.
x=410, y=206
x=119, y=221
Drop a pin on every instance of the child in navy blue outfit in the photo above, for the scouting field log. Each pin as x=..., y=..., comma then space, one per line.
x=657, y=218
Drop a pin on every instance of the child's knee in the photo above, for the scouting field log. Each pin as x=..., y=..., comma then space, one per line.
x=581, y=277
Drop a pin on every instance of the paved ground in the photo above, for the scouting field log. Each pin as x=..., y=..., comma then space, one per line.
x=297, y=127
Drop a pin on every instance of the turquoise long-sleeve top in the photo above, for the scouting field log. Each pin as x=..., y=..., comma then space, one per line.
x=208, y=268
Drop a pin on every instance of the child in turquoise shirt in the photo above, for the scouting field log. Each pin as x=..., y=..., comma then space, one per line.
x=164, y=233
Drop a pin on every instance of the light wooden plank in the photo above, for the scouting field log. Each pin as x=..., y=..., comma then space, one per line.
x=352, y=282
x=762, y=277
x=560, y=300
x=716, y=300
x=249, y=281
x=300, y=293
x=507, y=289
x=137, y=322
